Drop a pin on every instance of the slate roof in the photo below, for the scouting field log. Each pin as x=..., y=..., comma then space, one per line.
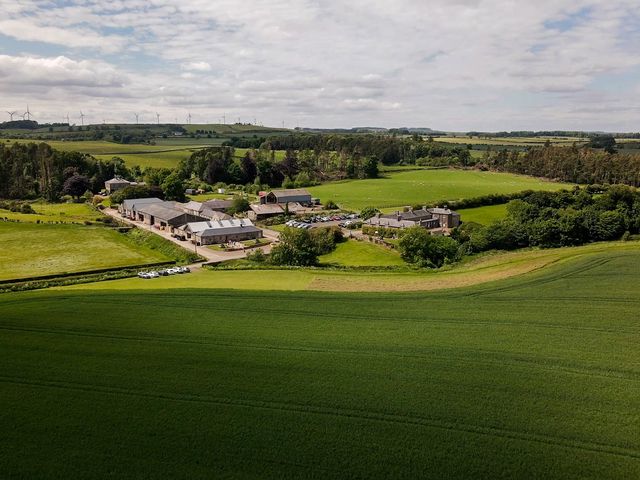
x=220, y=227
x=133, y=203
x=164, y=211
x=216, y=204
x=267, y=209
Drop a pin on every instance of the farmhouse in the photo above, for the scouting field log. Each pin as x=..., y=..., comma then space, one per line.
x=118, y=183
x=221, y=231
x=448, y=218
x=299, y=195
x=429, y=218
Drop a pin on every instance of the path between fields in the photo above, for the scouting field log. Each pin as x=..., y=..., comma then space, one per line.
x=207, y=253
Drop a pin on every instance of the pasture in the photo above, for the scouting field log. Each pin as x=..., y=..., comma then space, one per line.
x=483, y=215
x=532, y=377
x=352, y=253
x=55, y=212
x=417, y=187
x=28, y=249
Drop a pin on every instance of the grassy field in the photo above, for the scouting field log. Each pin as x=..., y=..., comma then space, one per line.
x=533, y=377
x=483, y=215
x=27, y=249
x=482, y=269
x=55, y=212
x=422, y=186
x=353, y=253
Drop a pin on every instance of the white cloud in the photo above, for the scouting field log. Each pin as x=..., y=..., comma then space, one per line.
x=464, y=64
x=197, y=66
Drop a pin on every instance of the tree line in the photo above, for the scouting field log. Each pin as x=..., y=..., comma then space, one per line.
x=389, y=149
x=260, y=166
x=569, y=164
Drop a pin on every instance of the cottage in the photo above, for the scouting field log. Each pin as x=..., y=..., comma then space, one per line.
x=299, y=195
x=262, y=211
x=221, y=231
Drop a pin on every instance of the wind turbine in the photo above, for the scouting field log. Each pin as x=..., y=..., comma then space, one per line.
x=11, y=114
x=27, y=114
x=82, y=115
x=67, y=117
x=158, y=117
x=189, y=118
x=136, y=118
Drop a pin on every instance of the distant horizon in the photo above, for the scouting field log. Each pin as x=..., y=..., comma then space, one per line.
x=358, y=127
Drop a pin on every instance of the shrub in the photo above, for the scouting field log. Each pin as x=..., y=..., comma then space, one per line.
x=330, y=205
x=419, y=247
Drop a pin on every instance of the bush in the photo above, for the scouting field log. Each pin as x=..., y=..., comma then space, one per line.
x=330, y=205
x=257, y=256
x=419, y=247
x=368, y=212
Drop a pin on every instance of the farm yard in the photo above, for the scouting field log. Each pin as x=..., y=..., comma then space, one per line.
x=29, y=250
x=417, y=187
x=528, y=377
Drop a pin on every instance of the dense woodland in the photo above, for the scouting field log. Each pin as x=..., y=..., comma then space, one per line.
x=259, y=166
x=37, y=170
x=558, y=219
x=569, y=164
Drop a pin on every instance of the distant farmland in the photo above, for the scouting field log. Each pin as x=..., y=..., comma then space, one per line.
x=534, y=377
x=398, y=189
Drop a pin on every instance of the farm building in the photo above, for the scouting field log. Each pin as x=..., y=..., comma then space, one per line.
x=221, y=231
x=129, y=207
x=218, y=205
x=298, y=195
x=165, y=214
x=203, y=210
x=118, y=183
x=262, y=211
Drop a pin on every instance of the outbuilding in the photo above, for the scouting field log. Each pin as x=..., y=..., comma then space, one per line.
x=221, y=231
x=299, y=195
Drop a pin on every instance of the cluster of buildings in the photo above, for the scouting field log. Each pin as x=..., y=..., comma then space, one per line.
x=430, y=218
x=202, y=223
x=205, y=223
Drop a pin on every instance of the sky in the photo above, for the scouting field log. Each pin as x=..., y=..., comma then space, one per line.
x=454, y=65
